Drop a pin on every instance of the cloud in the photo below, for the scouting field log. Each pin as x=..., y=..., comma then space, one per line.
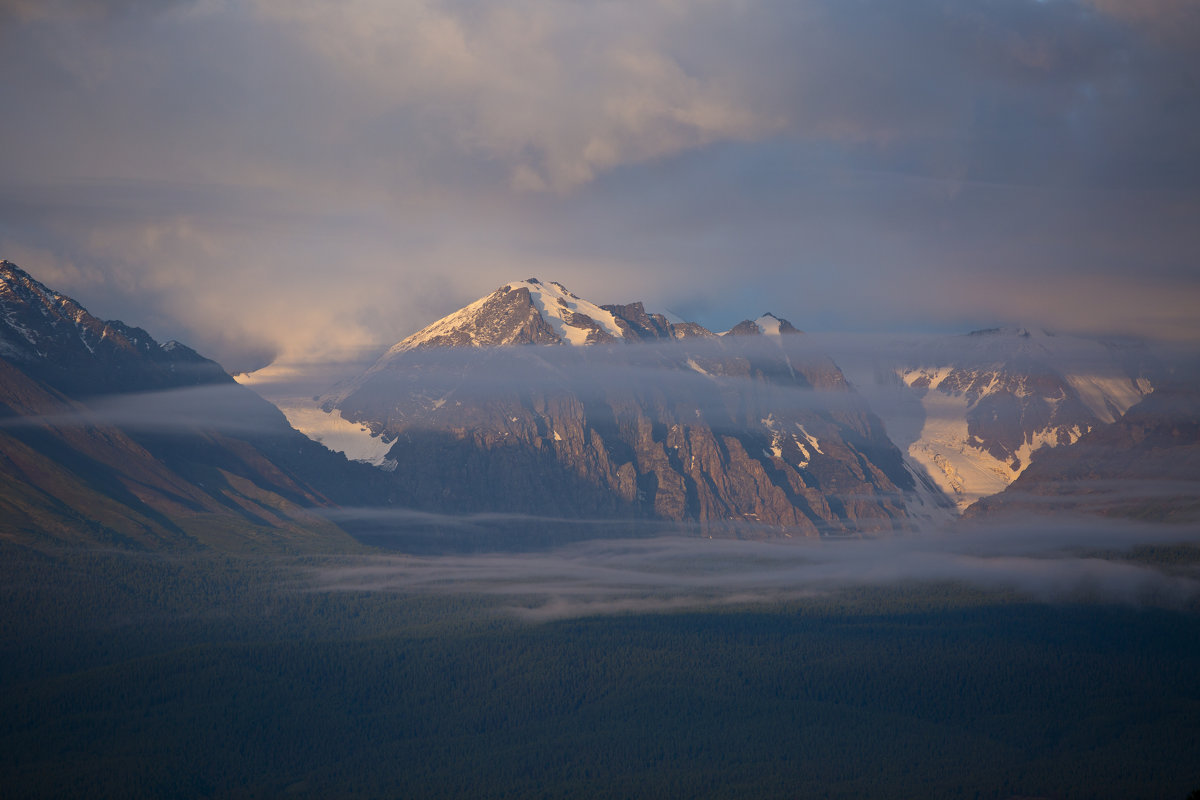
x=557, y=92
x=1176, y=21
x=302, y=179
x=65, y=10
x=223, y=408
x=1047, y=560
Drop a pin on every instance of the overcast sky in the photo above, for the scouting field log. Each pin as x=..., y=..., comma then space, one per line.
x=304, y=178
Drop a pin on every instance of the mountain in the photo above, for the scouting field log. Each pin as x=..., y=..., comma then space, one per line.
x=1145, y=465
x=533, y=400
x=970, y=411
x=108, y=437
x=533, y=312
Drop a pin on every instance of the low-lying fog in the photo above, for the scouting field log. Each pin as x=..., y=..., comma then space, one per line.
x=1051, y=560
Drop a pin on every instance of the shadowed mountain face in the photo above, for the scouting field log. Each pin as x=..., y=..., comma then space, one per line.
x=55, y=340
x=107, y=437
x=653, y=419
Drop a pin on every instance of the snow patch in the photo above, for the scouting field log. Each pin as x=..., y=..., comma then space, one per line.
x=558, y=306
x=927, y=501
x=812, y=440
x=768, y=324
x=964, y=472
x=338, y=434
x=25, y=332
x=330, y=429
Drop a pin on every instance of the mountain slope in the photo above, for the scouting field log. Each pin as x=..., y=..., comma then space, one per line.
x=107, y=437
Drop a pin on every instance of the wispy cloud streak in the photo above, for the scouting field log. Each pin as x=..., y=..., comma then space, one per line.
x=226, y=408
x=1043, y=559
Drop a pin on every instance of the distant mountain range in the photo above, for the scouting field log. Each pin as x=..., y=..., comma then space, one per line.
x=535, y=403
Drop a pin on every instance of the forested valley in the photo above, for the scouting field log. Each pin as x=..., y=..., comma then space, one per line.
x=139, y=675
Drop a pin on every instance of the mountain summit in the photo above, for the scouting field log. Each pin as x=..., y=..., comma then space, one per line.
x=653, y=418
x=534, y=312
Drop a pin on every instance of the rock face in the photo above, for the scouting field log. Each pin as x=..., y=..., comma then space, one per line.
x=970, y=411
x=654, y=420
x=108, y=438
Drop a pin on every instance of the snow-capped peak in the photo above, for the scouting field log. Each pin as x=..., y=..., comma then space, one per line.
x=559, y=307
x=521, y=312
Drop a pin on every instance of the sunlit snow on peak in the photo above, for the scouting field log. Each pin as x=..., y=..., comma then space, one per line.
x=558, y=306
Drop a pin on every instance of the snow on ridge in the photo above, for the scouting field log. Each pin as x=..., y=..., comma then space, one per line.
x=1089, y=367
x=557, y=305
x=966, y=471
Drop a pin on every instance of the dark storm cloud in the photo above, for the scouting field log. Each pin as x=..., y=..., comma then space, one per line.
x=309, y=177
